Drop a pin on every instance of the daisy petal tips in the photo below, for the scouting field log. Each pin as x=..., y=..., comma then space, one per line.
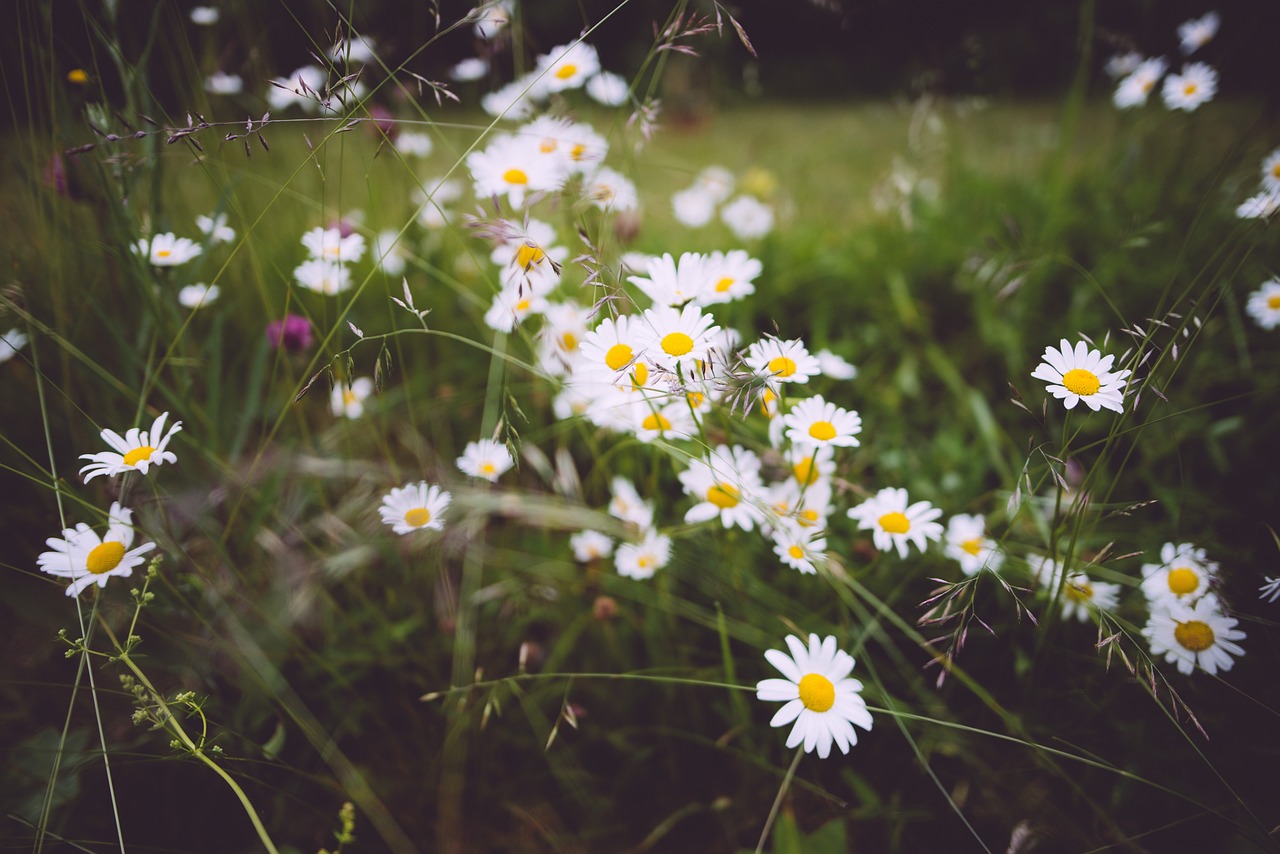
x=137, y=450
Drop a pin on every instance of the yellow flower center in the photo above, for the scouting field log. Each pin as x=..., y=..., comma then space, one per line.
x=1079, y=592
x=796, y=552
x=807, y=518
x=972, y=546
x=78, y=76
x=1183, y=580
x=1081, y=382
x=105, y=557
x=805, y=470
x=782, y=366
x=487, y=468
x=578, y=151
x=1189, y=89
x=817, y=693
x=529, y=255
x=349, y=397
x=163, y=253
x=645, y=561
x=548, y=145
x=895, y=523
x=1194, y=635
x=655, y=421
x=695, y=398
x=566, y=71
x=676, y=344
x=137, y=455
x=724, y=285
x=1148, y=85
x=515, y=176
x=1275, y=170
x=617, y=356
x=523, y=305
x=640, y=375
x=723, y=495
x=1273, y=302
x=417, y=517
x=823, y=431
x=569, y=341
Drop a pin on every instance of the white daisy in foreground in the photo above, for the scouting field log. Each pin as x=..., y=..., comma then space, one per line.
x=726, y=485
x=641, y=560
x=794, y=548
x=1081, y=594
x=968, y=544
x=1134, y=90
x=810, y=465
x=568, y=66
x=782, y=361
x=834, y=366
x=348, y=401
x=216, y=228
x=677, y=337
x=414, y=507
x=747, y=217
x=590, y=545
x=86, y=559
x=814, y=422
x=198, y=295
x=608, y=89
x=1082, y=374
x=729, y=276
x=1270, y=590
x=893, y=524
x=1196, y=32
x=323, y=276
x=819, y=695
x=1196, y=84
x=513, y=166
x=1195, y=635
x=11, y=342
x=166, y=250
x=328, y=244
x=137, y=450
x=1184, y=574
x=1264, y=304
x=486, y=458
x=671, y=282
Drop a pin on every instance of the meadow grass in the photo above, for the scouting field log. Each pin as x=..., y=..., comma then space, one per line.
x=476, y=688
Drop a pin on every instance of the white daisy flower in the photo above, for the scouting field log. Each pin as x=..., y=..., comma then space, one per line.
x=470, y=69
x=627, y=505
x=221, y=83
x=303, y=87
x=1196, y=32
x=693, y=207
x=967, y=543
x=819, y=695
x=677, y=337
x=803, y=508
x=563, y=331
x=328, y=244
x=514, y=101
x=11, y=342
x=412, y=143
x=486, y=458
x=359, y=50
x=794, y=548
x=782, y=361
x=893, y=523
x=1271, y=171
x=811, y=464
x=575, y=148
x=323, y=276
x=813, y=422
x=590, y=545
x=1264, y=304
x=616, y=343
x=166, y=250
x=716, y=181
x=1270, y=590
x=729, y=276
x=216, y=228
x=204, y=16
x=198, y=295
x=1262, y=206
x=529, y=257
x=670, y=282
x=513, y=166
x=1046, y=571
x=1081, y=594
x=568, y=66
x=610, y=190
x=348, y=401
x=608, y=89
x=432, y=212
x=414, y=507
x=834, y=366
x=137, y=450
x=389, y=252
x=726, y=485
x=1195, y=635
x=641, y=560
x=1184, y=574
x=1082, y=374
x=1123, y=64
x=1196, y=84
x=1134, y=90
x=489, y=18
x=512, y=306
x=86, y=559
x=663, y=418
x=747, y=217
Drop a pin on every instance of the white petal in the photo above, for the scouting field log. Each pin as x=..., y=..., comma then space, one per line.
x=784, y=664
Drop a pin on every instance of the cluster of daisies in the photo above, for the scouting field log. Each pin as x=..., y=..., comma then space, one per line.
x=1186, y=90
x=713, y=189
x=166, y=250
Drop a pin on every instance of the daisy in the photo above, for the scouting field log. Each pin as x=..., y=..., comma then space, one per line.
x=653, y=419
x=584, y=148
x=729, y=276
x=1123, y=64
x=1262, y=206
x=323, y=276
x=1197, y=32
x=511, y=306
x=1270, y=590
x=641, y=560
x=610, y=190
x=216, y=228
x=359, y=50
x=813, y=422
x=204, y=16
x=529, y=256
x=677, y=337
x=782, y=361
x=1134, y=90
x=348, y=401
x=137, y=450
x=819, y=695
x=563, y=330
x=86, y=559
x=414, y=144
x=968, y=544
x=794, y=548
x=303, y=87
x=329, y=244
x=1271, y=171
x=166, y=250
x=220, y=83
x=1195, y=635
x=811, y=464
x=489, y=18
x=414, y=507
x=1080, y=594
x=513, y=166
x=726, y=485
x=432, y=212
x=802, y=508
x=834, y=366
x=470, y=69
x=693, y=207
x=616, y=343
x=1082, y=374
x=11, y=342
x=1184, y=574
x=1264, y=304
x=670, y=282
x=590, y=545
x=894, y=524
x=1046, y=571
x=1196, y=84
x=198, y=295
x=627, y=505
x=486, y=458
x=608, y=89
x=513, y=101
x=747, y=217
x=716, y=181
x=568, y=66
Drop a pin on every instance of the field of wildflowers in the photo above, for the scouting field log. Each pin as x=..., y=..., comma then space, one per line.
x=515, y=453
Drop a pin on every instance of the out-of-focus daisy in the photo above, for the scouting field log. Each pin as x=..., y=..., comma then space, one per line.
x=813, y=422
x=530, y=257
x=641, y=560
x=666, y=417
x=677, y=337
x=85, y=558
x=627, y=505
x=414, y=507
x=577, y=147
x=608, y=89
x=1196, y=32
x=204, y=16
x=1271, y=171
x=563, y=330
x=810, y=464
x=835, y=367
x=1184, y=574
x=1046, y=571
x=726, y=485
x=221, y=83
x=198, y=295
x=1195, y=635
x=216, y=228
x=303, y=87
x=513, y=166
x=610, y=190
x=1081, y=594
x=167, y=250
x=804, y=508
x=137, y=450
x=389, y=252
x=11, y=342
x=486, y=458
x=568, y=66
x=747, y=217
x=1196, y=84
x=1264, y=304
x=470, y=69
x=323, y=276
x=1082, y=374
x=693, y=207
x=729, y=276
x=968, y=544
x=513, y=101
x=1262, y=206
x=781, y=361
x=670, y=282
x=359, y=50
x=1123, y=64
x=819, y=695
x=716, y=181
x=512, y=306
x=894, y=524
x=329, y=244
x=590, y=545
x=491, y=17
x=433, y=199
x=414, y=143
x=794, y=548
x=1134, y=90
x=1270, y=590
x=348, y=400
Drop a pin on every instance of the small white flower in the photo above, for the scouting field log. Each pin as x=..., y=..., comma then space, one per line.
x=470, y=69
x=511, y=306
x=834, y=366
x=1199, y=635
x=198, y=295
x=693, y=207
x=220, y=83
x=813, y=422
x=819, y=695
x=670, y=282
x=303, y=87
x=641, y=560
x=513, y=166
x=1264, y=304
x=1270, y=590
x=1262, y=206
x=1196, y=32
x=811, y=464
x=414, y=143
x=486, y=458
x=348, y=401
x=968, y=544
x=794, y=548
x=205, y=16
x=389, y=251
x=747, y=217
x=137, y=450
x=1134, y=90
x=216, y=228
x=1271, y=171
x=568, y=66
x=590, y=545
x=1082, y=374
x=893, y=524
x=627, y=505
x=513, y=101
x=323, y=276
x=727, y=486
x=782, y=361
x=716, y=181
x=608, y=89
x=359, y=50
x=1081, y=594
x=414, y=507
x=10, y=343
x=166, y=250
x=86, y=559
x=610, y=190
x=677, y=337
x=491, y=17
x=729, y=276
x=328, y=244
x=1196, y=84
x=666, y=417
x=1123, y=64
x=1184, y=574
